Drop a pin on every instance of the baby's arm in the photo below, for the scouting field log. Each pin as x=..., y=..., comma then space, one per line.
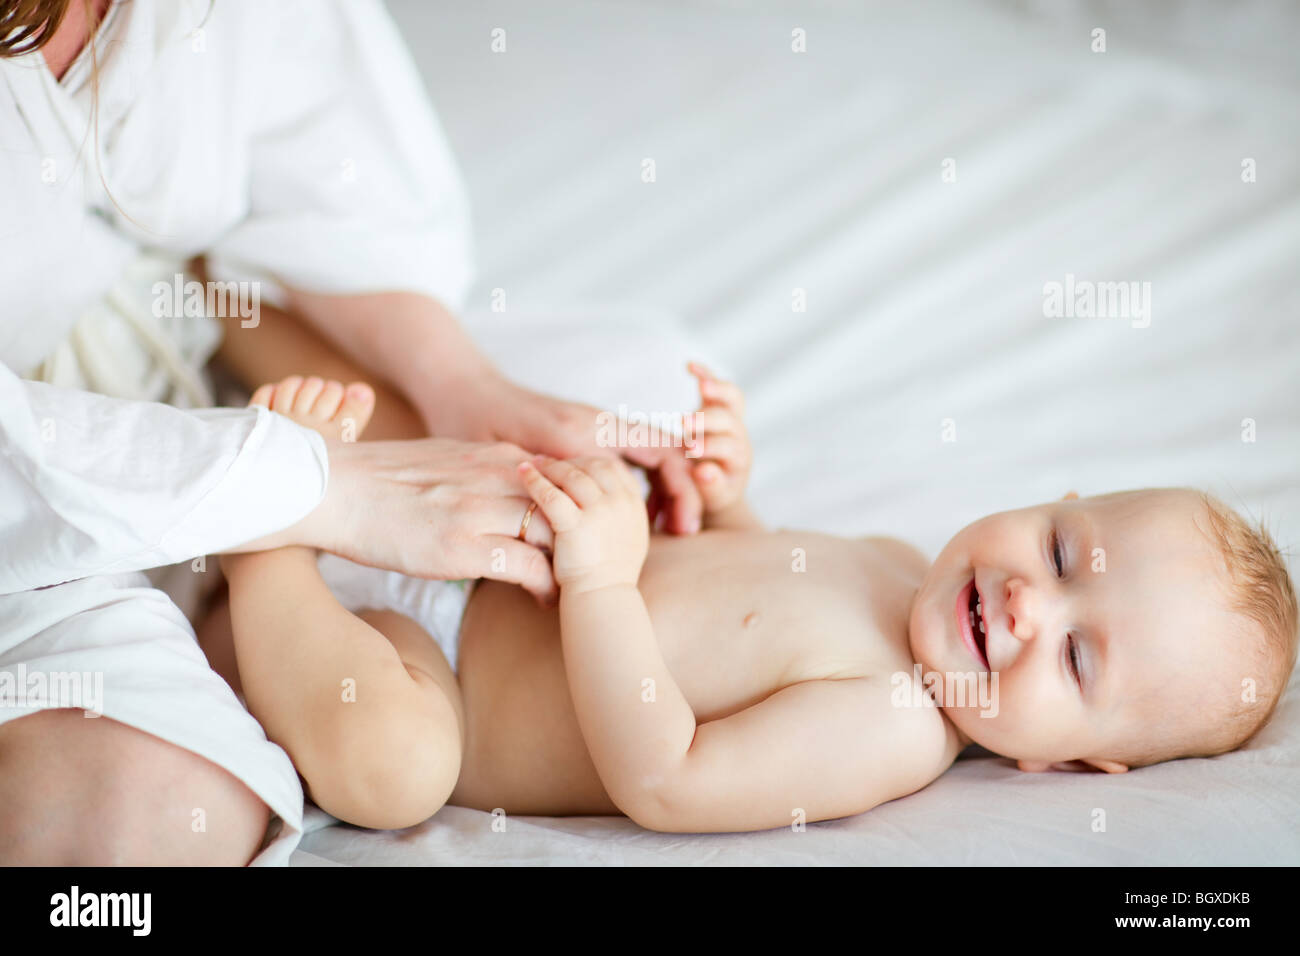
x=813, y=751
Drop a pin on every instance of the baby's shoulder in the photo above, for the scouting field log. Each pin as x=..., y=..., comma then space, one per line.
x=907, y=556
x=897, y=745
x=924, y=743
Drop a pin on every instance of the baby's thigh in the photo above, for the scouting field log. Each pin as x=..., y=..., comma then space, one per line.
x=423, y=658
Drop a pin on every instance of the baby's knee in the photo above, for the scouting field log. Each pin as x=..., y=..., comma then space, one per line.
x=79, y=791
x=393, y=780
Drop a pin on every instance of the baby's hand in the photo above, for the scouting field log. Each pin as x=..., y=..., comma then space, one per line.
x=599, y=520
x=720, y=442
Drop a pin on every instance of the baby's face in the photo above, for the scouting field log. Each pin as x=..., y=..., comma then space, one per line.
x=1102, y=616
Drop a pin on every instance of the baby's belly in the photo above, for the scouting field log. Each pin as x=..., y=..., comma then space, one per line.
x=524, y=751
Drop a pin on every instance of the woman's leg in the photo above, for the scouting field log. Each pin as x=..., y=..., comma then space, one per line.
x=78, y=791
x=282, y=345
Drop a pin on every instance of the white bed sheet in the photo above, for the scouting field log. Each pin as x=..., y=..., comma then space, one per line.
x=821, y=171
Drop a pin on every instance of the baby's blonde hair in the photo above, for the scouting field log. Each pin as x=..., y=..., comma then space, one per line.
x=1261, y=594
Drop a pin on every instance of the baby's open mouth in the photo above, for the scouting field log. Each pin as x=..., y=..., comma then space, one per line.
x=977, y=625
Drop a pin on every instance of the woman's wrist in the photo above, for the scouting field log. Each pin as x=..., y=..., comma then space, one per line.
x=461, y=402
x=323, y=527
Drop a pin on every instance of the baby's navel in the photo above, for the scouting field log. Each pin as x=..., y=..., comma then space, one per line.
x=751, y=620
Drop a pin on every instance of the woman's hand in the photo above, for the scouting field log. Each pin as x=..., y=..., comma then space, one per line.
x=490, y=408
x=431, y=508
x=413, y=343
x=595, y=509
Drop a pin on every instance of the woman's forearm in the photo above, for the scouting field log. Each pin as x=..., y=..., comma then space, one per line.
x=411, y=341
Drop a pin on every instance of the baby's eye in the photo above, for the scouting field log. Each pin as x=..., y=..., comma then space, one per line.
x=1056, y=554
x=1073, y=651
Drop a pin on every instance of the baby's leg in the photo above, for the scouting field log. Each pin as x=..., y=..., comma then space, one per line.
x=365, y=705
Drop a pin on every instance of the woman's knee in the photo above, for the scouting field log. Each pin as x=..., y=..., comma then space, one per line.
x=76, y=790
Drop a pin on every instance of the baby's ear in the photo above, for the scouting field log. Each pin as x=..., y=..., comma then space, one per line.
x=1070, y=766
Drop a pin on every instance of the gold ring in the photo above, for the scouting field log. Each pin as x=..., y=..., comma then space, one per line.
x=528, y=516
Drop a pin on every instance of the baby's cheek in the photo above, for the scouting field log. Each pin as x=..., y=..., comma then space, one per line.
x=1020, y=720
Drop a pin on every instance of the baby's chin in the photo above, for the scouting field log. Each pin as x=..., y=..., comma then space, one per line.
x=995, y=734
x=998, y=744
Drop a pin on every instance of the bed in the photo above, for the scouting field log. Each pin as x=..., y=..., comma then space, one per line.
x=917, y=174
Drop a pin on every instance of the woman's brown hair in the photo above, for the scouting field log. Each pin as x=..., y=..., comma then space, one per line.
x=27, y=25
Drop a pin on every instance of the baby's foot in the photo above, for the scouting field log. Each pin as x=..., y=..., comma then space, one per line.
x=336, y=412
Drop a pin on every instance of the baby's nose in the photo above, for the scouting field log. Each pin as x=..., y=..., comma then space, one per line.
x=1020, y=601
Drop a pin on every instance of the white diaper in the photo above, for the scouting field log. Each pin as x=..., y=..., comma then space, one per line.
x=437, y=606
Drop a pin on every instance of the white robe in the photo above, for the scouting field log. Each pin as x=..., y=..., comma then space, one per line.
x=291, y=142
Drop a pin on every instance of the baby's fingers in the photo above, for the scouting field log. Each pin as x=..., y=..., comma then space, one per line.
x=728, y=450
x=713, y=483
x=574, y=478
x=714, y=391
x=712, y=419
x=558, y=507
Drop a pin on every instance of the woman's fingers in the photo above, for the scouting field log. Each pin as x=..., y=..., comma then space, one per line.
x=515, y=562
x=505, y=516
x=669, y=471
x=559, y=509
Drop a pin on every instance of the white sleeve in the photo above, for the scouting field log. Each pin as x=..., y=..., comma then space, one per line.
x=91, y=484
x=352, y=187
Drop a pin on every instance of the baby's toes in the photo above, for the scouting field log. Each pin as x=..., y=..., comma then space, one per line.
x=285, y=393
x=262, y=396
x=357, y=406
x=311, y=388
x=328, y=401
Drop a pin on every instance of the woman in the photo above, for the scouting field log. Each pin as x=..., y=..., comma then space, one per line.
x=292, y=147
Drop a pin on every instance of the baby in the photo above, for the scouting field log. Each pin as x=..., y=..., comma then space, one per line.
x=740, y=678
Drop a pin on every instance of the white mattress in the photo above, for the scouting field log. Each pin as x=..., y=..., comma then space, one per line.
x=821, y=171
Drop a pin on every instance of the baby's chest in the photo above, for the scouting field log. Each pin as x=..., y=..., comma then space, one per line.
x=740, y=637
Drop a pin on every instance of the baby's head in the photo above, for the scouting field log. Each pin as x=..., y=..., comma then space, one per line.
x=1125, y=629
